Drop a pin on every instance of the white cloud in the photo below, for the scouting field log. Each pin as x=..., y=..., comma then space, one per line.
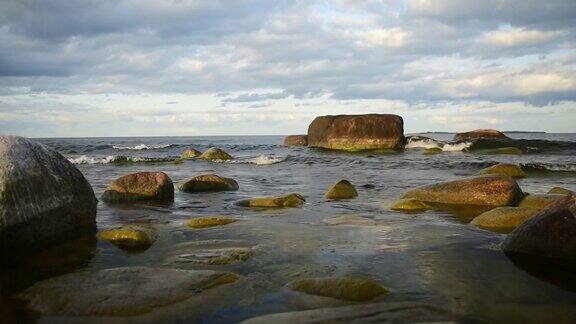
x=518, y=37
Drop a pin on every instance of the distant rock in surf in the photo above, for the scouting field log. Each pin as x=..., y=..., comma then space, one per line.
x=296, y=140
x=479, y=133
x=512, y=170
x=488, y=190
x=290, y=200
x=43, y=197
x=215, y=154
x=357, y=132
x=208, y=182
x=141, y=186
x=190, y=154
x=342, y=190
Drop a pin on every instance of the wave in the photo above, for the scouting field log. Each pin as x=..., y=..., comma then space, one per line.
x=455, y=147
x=259, y=160
x=140, y=147
x=421, y=142
x=116, y=159
x=548, y=167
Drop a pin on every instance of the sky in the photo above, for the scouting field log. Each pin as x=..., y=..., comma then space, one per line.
x=83, y=68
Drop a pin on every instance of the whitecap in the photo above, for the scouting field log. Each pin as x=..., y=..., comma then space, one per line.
x=141, y=147
x=258, y=160
x=84, y=159
x=421, y=142
x=456, y=147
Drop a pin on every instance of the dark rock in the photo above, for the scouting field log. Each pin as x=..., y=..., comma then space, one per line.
x=479, y=133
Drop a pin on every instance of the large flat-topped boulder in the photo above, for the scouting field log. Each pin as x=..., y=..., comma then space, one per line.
x=357, y=132
x=43, y=197
x=296, y=140
x=480, y=133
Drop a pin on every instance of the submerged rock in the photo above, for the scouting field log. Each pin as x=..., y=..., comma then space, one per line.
x=342, y=190
x=432, y=151
x=204, y=222
x=289, y=200
x=354, y=289
x=118, y=292
x=296, y=140
x=503, y=219
x=513, y=170
x=560, y=191
x=389, y=312
x=488, y=190
x=130, y=238
x=215, y=154
x=190, y=154
x=357, y=132
x=550, y=233
x=208, y=182
x=43, y=197
x=480, y=133
x=409, y=205
x=141, y=186
x=211, y=252
x=539, y=201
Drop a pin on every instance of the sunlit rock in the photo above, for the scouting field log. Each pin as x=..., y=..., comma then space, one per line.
x=290, y=200
x=215, y=154
x=539, y=201
x=409, y=205
x=296, y=140
x=190, y=153
x=208, y=182
x=512, y=170
x=130, y=238
x=480, y=133
x=204, y=222
x=141, y=186
x=342, y=190
x=503, y=219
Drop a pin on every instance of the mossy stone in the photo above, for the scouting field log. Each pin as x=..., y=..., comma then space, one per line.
x=342, y=190
x=539, y=201
x=503, y=219
x=290, y=200
x=409, y=205
x=216, y=154
x=204, y=222
x=560, y=191
x=512, y=170
x=190, y=154
x=208, y=182
x=128, y=237
x=353, y=289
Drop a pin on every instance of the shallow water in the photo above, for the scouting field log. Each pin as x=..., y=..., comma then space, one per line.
x=435, y=256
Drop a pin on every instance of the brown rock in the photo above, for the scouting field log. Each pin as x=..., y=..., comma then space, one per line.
x=539, y=201
x=296, y=140
x=550, y=233
x=141, y=186
x=488, y=190
x=290, y=200
x=357, y=132
x=503, y=219
x=208, y=182
x=479, y=133
x=512, y=170
x=190, y=154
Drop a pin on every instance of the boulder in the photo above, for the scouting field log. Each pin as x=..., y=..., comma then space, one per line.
x=204, y=222
x=489, y=190
x=353, y=289
x=550, y=233
x=208, y=182
x=296, y=140
x=388, y=312
x=215, y=154
x=357, y=132
x=479, y=133
x=513, y=170
x=539, y=201
x=43, y=197
x=130, y=238
x=503, y=219
x=342, y=190
x=560, y=191
x=409, y=205
x=141, y=186
x=290, y=200
x=190, y=154
x=121, y=292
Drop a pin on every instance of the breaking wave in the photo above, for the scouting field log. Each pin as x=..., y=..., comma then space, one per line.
x=548, y=167
x=140, y=147
x=120, y=159
x=455, y=147
x=260, y=160
x=421, y=142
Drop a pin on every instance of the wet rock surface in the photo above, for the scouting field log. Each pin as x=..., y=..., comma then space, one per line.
x=208, y=182
x=480, y=133
x=354, y=289
x=141, y=186
x=512, y=170
x=290, y=200
x=215, y=154
x=130, y=238
x=342, y=190
x=296, y=140
x=503, y=219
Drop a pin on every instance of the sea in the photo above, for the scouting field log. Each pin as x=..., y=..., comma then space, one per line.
x=432, y=257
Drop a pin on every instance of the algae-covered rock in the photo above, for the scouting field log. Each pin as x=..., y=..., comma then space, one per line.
x=409, y=205
x=550, y=233
x=357, y=132
x=480, y=133
x=204, y=222
x=488, y=190
x=208, y=182
x=122, y=292
x=211, y=252
x=190, y=154
x=560, y=191
x=539, y=201
x=215, y=154
x=354, y=289
x=503, y=219
x=141, y=186
x=290, y=200
x=129, y=237
x=432, y=151
x=342, y=190
x=296, y=140
x=500, y=150
x=43, y=197
x=512, y=170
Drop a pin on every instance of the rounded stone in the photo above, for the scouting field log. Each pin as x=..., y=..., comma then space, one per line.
x=190, y=154
x=560, y=191
x=512, y=170
x=141, y=186
x=130, y=238
x=353, y=289
x=289, y=200
x=342, y=190
x=204, y=222
x=480, y=133
x=216, y=154
x=208, y=182
x=409, y=205
x=539, y=201
x=503, y=219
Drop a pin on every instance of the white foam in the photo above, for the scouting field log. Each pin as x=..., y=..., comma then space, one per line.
x=266, y=160
x=141, y=147
x=422, y=143
x=84, y=159
x=456, y=147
